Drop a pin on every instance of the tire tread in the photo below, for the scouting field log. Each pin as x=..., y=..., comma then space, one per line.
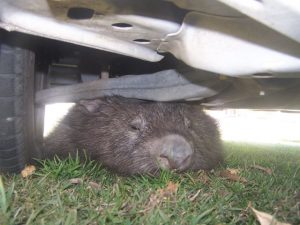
x=12, y=63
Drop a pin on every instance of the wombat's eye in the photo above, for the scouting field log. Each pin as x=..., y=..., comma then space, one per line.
x=136, y=125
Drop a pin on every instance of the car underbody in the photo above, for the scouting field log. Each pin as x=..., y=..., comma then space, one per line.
x=226, y=53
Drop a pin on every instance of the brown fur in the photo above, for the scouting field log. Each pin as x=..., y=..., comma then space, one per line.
x=120, y=133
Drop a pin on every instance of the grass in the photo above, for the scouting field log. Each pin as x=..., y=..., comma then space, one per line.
x=48, y=197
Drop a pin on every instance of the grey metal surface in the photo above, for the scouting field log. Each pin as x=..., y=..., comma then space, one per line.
x=232, y=46
x=211, y=7
x=115, y=26
x=271, y=93
x=280, y=15
x=230, y=37
x=168, y=85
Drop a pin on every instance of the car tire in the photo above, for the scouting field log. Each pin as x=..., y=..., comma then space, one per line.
x=16, y=107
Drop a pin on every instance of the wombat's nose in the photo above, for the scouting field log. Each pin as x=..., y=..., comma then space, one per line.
x=176, y=153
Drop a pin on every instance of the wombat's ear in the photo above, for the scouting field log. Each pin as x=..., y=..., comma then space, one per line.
x=187, y=122
x=92, y=106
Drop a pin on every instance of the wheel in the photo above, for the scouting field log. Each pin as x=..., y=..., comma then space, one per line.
x=16, y=107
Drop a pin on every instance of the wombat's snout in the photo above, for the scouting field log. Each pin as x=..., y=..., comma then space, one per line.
x=173, y=152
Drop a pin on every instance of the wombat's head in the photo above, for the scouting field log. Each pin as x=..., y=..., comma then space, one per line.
x=134, y=137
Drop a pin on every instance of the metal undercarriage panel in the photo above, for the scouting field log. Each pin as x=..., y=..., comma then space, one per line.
x=229, y=37
x=232, y=46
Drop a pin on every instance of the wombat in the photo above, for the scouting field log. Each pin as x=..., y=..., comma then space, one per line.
x=131, y=136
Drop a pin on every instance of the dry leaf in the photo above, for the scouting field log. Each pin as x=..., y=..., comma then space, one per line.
x=154, y=200
x=193, y=197
x=264, y=169
x=232, y=177
x=203, y=177
x=297, y=195
x=171, y=188
x=76, y=181
x=160, y=195
x=94, y=185
x=100, y=209
x=168, y=191
x=28, y=170
x=233, y=171
x=266, y=219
